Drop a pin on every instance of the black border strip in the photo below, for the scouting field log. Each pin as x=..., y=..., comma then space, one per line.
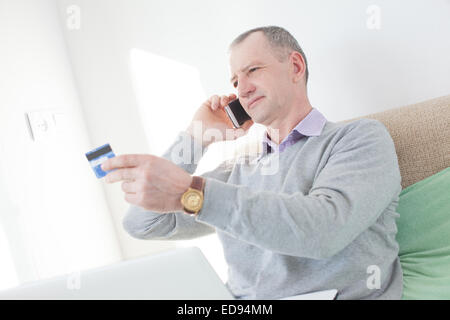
x=98, y=153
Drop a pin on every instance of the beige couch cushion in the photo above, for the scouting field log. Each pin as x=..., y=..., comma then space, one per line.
x=421, y=134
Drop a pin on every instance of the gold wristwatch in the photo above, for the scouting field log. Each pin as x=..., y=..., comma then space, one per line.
x=192, y=199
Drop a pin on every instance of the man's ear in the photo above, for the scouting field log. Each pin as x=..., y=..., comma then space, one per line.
x=299, y=65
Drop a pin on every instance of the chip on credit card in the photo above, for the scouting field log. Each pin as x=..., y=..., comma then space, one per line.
x=97, y=156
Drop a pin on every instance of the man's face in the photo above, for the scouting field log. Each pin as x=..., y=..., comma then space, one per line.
x=263, y=83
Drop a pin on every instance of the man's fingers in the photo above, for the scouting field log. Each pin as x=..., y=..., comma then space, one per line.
x=124, y=161
x=132, y=198
x=126, y=174
x=214, y=102
x=224, y=101
x=129, y=186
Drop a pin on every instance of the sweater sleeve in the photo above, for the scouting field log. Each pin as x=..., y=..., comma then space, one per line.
x=140, y=223
x=359, y=181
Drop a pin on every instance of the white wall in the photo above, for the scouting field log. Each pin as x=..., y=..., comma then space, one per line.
x=102, y=70
x=53, y=212
x=354, y=70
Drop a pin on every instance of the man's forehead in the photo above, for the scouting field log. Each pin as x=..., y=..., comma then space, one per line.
x=254, y=49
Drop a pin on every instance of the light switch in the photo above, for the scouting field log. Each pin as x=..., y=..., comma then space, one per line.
x=41, y=124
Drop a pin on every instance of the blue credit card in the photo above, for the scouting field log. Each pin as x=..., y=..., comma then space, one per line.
x=97, y=156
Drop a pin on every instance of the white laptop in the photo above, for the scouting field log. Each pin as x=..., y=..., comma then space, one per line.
x=179, y=274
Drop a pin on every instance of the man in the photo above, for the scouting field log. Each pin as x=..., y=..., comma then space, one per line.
x=325, y=219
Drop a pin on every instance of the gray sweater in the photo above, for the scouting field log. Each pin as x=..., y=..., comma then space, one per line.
x=324, y=219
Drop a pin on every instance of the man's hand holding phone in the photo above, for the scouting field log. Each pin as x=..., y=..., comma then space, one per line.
x=212, y=116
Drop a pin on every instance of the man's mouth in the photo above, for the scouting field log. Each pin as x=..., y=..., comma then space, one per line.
x=253, y=102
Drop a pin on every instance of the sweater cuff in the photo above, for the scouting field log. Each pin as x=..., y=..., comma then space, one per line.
x=219, y=204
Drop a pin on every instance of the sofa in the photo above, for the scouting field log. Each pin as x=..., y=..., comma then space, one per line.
x=421, y=134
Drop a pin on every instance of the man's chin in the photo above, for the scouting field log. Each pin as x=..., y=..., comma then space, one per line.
x=258, y=113
x=259, y=118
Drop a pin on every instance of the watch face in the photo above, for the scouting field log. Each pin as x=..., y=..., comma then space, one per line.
x=192, y=200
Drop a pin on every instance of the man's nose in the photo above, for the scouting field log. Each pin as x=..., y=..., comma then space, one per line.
x=245, y=88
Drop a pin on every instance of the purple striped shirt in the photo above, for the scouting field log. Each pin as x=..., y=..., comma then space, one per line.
x=311, y=125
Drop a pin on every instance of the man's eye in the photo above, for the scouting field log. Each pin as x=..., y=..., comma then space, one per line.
x=250, y=70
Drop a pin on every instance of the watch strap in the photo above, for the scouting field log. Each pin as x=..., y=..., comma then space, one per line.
x=197, y=183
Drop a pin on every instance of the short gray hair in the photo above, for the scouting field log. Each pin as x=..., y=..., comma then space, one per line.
x=280, y=40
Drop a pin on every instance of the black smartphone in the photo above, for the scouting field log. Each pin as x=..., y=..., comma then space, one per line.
x=237, y=113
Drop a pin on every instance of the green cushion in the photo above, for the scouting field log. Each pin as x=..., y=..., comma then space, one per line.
x=424, y=237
